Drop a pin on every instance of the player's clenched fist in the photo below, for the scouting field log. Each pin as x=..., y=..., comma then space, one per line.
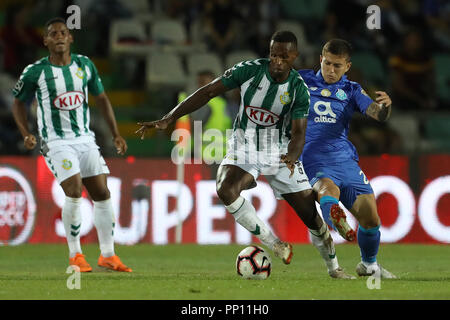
x=383, y=98
x=29, y=141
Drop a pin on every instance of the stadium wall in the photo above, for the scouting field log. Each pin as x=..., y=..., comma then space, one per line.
x=412, y=197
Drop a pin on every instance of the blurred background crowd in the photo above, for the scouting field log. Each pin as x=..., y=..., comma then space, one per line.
x=151, y=53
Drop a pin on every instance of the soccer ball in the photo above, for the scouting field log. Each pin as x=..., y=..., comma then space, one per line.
x=253, y=263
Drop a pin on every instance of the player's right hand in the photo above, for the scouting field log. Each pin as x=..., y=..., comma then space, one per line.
x=29, y=141
x=158, y=124
x=290, y=164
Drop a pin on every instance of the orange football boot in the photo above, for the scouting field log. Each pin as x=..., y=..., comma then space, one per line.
x=113, y=263
x=80, y=262
x=339, y=220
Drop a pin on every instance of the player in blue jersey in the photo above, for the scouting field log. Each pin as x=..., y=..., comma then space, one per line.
x=331, y=160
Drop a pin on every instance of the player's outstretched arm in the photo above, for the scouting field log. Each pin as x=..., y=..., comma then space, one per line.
x=105, y=106
x=381, y=109
x=296, y=144
x=195, y=101
x=20, y=117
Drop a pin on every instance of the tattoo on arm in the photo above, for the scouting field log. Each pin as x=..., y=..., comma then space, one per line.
x=378, y=112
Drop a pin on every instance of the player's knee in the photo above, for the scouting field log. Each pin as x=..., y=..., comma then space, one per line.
x=72, y=187
x=73, y=192
x=370, y=222
x=327, y=188
x=227, y=192
x=374, y=222
x=325, y=191
x=101, y=194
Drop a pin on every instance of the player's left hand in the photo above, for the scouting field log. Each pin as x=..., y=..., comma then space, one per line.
x=383, y=98
x=289, y=163
x=121, y=145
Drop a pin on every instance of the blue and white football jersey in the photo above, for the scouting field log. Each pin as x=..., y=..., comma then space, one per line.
x=330, y=113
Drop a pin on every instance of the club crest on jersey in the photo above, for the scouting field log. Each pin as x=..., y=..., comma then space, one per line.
x=80, y=73
x=69, y=100
x=67, y=164
x=341, y=95
x=325, y=92
x=284, y=98
x=261, y=116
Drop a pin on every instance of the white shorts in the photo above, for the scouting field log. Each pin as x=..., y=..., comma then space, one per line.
x=67, y=160
x=275, y=172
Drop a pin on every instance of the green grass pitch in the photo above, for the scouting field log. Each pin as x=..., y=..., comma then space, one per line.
x=194, y=272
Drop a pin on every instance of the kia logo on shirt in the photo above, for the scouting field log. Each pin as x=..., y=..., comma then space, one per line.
x=69, y=100
x=261, y=116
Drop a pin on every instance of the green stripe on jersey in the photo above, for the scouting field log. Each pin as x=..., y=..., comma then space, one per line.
x=248, y=96
x=56, y=120
x=41, y=108
x=72, y=113
x=267, y=104
x=85, y=104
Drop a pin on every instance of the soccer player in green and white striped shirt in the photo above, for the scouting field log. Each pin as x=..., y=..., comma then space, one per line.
x=60, y=83
x=269, y=133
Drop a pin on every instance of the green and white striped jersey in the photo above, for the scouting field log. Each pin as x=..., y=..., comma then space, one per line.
x=62, y=96
x=265, y=103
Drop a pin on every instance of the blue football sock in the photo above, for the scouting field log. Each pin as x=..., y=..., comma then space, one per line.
x=325, y=205
x=369, y=242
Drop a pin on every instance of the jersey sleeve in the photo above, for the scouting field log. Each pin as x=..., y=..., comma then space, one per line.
x=361, y=99
x=25, y=87
x=300, y=108
x=239, y=73
x=95, y=85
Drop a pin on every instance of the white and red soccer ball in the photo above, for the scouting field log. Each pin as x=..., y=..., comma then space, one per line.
x=253, y=263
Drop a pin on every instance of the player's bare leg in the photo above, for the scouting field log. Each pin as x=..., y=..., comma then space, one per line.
x=71, y=217
x=104, y=222
x=231, y=181
x=328, y=196
x=365, y=211
x=303, y=203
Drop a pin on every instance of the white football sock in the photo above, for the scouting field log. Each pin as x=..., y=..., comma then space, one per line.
x=322, y=240
x=104, y=223
x=374, y=264
x=71, y=217
x=245, y=214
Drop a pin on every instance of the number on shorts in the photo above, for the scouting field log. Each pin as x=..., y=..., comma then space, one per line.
x=300, y=167
x=364, y=177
